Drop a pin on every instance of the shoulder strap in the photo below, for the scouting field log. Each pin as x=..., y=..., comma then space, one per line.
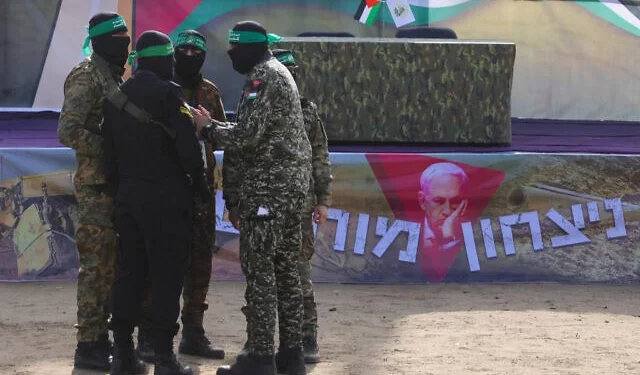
x=110, y=84
x=121, y=101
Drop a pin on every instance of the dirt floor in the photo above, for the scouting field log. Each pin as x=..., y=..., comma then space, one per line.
x=381, y=330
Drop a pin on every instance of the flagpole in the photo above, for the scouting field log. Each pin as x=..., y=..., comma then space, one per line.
x=381, y=19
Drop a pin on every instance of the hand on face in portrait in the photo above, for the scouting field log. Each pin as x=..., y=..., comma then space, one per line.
x=442, y=200
x=452, y=222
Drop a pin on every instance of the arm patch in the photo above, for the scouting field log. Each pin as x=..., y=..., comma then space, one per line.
x=252, y=89
x=184, y=109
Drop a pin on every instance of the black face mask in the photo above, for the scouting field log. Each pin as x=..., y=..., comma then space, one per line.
x=245, y=57
x=188, y=68
x=162, y=66
x=114, y=49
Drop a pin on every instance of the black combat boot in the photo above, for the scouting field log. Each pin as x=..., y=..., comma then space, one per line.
x=194, y=342
x=290, y=361
x=310, y=348
x=250, y=365
x=244, y=352
x=95, y=355
x=145, y=348
x=125, y=361
x=169, y=365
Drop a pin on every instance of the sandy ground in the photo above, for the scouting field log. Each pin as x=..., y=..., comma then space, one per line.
x=382, y=330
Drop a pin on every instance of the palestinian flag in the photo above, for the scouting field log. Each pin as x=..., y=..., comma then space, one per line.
x=367, y=11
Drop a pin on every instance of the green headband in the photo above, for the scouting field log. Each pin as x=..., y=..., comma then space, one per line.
x=252, y=37
x=286, y=59
x=105, y=27
x=191, y=40
x=153, y=51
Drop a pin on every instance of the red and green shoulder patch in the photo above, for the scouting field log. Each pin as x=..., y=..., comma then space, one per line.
x=253, y=87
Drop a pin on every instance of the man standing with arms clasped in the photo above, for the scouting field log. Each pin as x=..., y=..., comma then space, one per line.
x=316, y=209
x=154, y=161
x=190, y=54
x=274, y=158
x=78, y=128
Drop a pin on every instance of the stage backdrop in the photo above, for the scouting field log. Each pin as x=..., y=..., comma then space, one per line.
x=396, y=218
x=575, y=59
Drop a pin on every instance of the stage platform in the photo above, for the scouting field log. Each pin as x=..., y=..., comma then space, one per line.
x=561, y=203
x=38, y=129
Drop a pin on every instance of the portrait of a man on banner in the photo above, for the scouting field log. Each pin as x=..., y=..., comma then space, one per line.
x=440, y=195
x=442, y=198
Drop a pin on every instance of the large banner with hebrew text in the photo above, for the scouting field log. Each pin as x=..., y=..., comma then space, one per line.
x=396, y=218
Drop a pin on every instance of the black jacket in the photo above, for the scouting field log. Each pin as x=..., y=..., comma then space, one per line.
x=142, y=163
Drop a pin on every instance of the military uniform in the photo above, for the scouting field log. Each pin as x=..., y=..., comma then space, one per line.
x=196, y=283
x=319, y=194
x=266, y=174
x=78, y=128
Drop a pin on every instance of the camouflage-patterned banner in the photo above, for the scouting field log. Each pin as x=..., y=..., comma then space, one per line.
x=382, y=91
x=411, y=218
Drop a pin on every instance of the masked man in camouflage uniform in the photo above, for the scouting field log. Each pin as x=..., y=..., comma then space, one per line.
x=316, y=209
x=78, y=128
x=190, y=53
x=272, y=157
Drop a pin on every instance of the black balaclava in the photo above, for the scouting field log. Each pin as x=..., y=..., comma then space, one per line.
x=114, y=49
x=247, y=55
x=188, y=67
x=162, y=66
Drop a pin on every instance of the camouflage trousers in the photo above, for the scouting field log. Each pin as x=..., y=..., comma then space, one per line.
x=198, y=274
x=310, y=316
x=97, y=245
x=196, y=281
x=269, y=254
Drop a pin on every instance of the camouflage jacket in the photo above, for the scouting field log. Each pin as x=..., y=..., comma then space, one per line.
x=320, y=183
x=207, y=95
x=267, y=152
x=79, y=126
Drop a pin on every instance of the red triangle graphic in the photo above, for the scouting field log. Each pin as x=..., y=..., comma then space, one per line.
x=453, y=193
x=372, y=3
